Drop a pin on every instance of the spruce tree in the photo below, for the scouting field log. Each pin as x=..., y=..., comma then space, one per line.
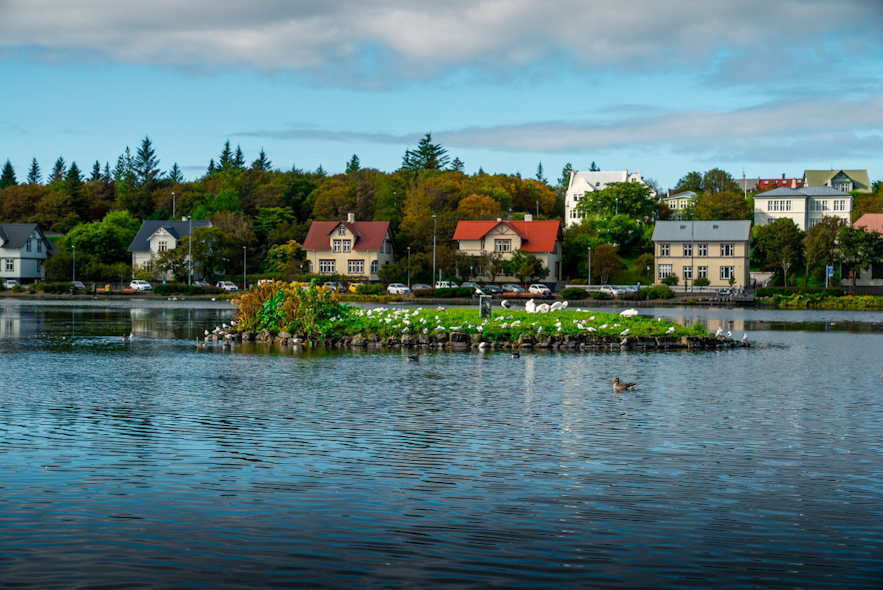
x=146, y=164
x=225, y=160
x=105, y=178
x=594, y=168
x=540, y=176
x=96, y=172
x=320, y=171
x=457, y=165
x=262, y=163
x=59, y=171
x=7, y=178
x=211, y=167
x=175, y=174
x=73, y=181
x=427, y=156
x=565, y=175
x=34, y=176
x=239, y=159
x=353, y=165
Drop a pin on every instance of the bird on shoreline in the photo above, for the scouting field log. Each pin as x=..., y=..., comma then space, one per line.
x=506, y=304
x=622, y=386
x=413, y=358
x=200, y=345
x=516, y=354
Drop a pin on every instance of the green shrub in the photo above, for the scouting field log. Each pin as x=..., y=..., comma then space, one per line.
x=671, y=280
x=444, y=293
x=601, y=296
x=370, y=289
x=423, y=292
x=574, y=294
x=464, y=291
x=770, y=291
x=658, y=292
x=57, y=288
x=701, y=282
x=182, y=289
x=17, y=289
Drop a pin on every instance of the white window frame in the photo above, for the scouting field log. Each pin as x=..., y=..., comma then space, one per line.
x=375, y=267
x=702, y=250
x=162, y=246
x=10, y=265
x=688, y=273
x=347, y=246
x=356, y=267
x=702, y=272
x=688, y=250
x=664, y=270
x=326, y=266
x=728, y=250
x=29, y=245
x=664, y=250
x=502, y=245
x=39, y=245
x=727, y=272
x=336, y=246
x=341, y=230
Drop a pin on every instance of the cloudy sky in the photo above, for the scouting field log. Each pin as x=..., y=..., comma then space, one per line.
x=665, y=87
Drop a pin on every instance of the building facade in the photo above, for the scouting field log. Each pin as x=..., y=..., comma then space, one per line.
x=805, y=206
x=713, y=250
x=841, y=180
x=355, y=248
x=540, y=238
x=873, y=275
x=583, y=184
x=678, y=203
x=157, y=236
x=23, y=249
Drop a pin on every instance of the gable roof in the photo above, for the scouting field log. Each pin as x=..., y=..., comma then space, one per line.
x=805, y=191
x=821, y=177
x=870, y=221
x=681, y=195
x=702, y=231
x=369, y=235
x=599, y=180
x=15, y=235
x=536, y=236
x=177, y=229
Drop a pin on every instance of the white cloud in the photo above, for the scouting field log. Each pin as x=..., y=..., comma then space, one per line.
x=348, y=42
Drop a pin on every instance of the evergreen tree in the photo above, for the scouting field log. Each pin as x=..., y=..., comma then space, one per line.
x=239, y=159
x=225, y=160
x=540, y=176
x=211, y=167
x=594, y=168
x=175, y=174
x=565, y=175
x=262, y=163
x=59, y=171
x=96, y=172
x=7, y=178
x=457, y=165
x=125, y=167
x=34, y=176
x=73, y=181
x=353, y=165
x=146, y=164
x=427, y=156
x=106, y=177
x=320, y=171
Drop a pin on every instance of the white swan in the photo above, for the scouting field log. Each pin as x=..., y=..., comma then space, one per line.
x=555, y=306
x=543, y=308
x=530, y=307
x=630, y=313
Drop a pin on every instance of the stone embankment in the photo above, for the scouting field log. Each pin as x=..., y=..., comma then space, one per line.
x=457, y=341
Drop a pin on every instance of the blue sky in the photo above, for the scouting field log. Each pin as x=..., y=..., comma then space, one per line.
x=662, y=87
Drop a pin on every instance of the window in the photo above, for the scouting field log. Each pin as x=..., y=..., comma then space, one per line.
x=309, y=266
x=665, y=250
x=728, y=250
x=664, y=270
x=336, y=247
x=326, y=266
x=688, y=273
x=39, y=245
x=356, y=267
x=29, y=246
x=840, y=205
x=502, y=245
x=10, y=264
x=818, y=205
x=346, y=245
x=703, y=250
x=375, y=267
x=341, y=230
x=703, y=272
x=877, y=271
x=162, y=246
x=482, y=240
x=726, y=273
x=688, y=250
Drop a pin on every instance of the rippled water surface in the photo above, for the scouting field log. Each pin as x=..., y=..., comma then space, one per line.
x=152, y=464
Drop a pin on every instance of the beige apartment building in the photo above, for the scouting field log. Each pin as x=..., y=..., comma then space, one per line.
x=715, y=250
x=355, y=248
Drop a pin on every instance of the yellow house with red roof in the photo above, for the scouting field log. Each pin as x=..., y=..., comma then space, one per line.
x=540, y=238
x=355, y=248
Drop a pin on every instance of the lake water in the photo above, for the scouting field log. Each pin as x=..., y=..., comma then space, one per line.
x=151, y=464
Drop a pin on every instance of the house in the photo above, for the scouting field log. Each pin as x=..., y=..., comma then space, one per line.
x=804, y=206
x=765, y=184
x=23, y=249
x=540, y=238
x=842, y=180
x=718, y=250
x=157, y=236
x=583, y=184
x=678, y=202
x=356, y=248
x=867, y=277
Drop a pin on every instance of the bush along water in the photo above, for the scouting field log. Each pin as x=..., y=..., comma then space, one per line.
x=827, y=301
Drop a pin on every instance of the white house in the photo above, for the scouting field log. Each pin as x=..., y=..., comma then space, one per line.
x=583, y=184
x=156, y=237
x=23, y=249
x=805, y=206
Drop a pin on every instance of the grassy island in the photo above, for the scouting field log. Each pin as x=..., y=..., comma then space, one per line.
x=315, y=315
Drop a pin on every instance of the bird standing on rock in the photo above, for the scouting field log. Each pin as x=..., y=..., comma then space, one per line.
x=622, y=386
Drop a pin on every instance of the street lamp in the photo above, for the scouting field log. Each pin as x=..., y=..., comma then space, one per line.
x=244, y=271
x=174, y=210
x=190, y=252
x=75, y=263
x=434, y=223
x=538, y=209
x=409, y=267
x=589, y=281
x=692, y=255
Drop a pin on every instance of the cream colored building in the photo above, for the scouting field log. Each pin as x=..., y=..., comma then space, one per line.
x=805, y=206
x=540, y=238
x=583, y=184
x=717, y=250
x=355, y=248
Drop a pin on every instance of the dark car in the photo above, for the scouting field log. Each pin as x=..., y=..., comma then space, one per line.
x=491, y=289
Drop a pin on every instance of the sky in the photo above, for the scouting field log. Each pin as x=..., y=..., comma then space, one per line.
x=770, y=87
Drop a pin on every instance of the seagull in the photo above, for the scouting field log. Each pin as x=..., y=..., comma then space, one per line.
x=516, y=354
x=630, y=313
x=624, y=332
x=506, y=304
x=413, y=358
x=592, y=318
x=297, y=340
x=206, y=332
x=729, y=335
x=225, y=326
x=624, y=342
x=670, y=331
x=719, y=332
x=617, y=386
x=745, y=337
x=591, y=330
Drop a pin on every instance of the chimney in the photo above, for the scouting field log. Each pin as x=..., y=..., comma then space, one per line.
x=499, y=219
x=528, y=217
x=793, y=183
x=184, y=218
x=783, y=177
x=351, y=217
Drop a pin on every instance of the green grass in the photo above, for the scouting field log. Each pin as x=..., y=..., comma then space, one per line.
x=392, y=322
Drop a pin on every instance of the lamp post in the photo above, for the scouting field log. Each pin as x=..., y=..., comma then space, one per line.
x=692, y=256
x=174, y=210
x=409, y=267
x=434, y=223
x=244, y=271
x=190, y=252
x=589, y=275
x=538, y=209
x=74, y=248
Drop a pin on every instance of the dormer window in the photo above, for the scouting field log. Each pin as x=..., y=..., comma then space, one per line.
x=29, y=246
x=39, y=245
x=341, y=231
x=162, y=246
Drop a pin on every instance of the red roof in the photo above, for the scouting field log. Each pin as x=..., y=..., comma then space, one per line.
x=369, y=235
x=870, y=221
x=536, y=236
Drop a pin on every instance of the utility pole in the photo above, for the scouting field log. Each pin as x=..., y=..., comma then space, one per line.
x=434, y=222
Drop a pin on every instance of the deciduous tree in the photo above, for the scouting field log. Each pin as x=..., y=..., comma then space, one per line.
x=859, y=248
x=627, y=198
x=722, y=205
x=691, y=181
x=479, y=207
x=605, y=262
x=780, y=245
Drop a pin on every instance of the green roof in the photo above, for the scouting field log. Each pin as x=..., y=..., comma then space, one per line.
x=859, y=178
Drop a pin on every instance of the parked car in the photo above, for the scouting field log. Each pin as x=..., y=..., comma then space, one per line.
x=421, y=286
x=631, y=289
x=469, y=284
x=227, y=286
x=397, y=289
x=335, y=286
x=611, y=290
x=725, y=292
x=510, y=288
x=354, y=287
x=538, y=289
x=140, y=285
x=445, y=285
x=78, y=285
x=263, y=282
x=201, y=284
x=491, y=289
x=10, y=283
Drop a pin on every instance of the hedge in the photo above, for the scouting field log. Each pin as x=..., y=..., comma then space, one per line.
x=601, y=296
x=445, y=293
x=182, y=289
x=574, y=294
x=657, y=292
x=56, y=288
x=770, y=291
x=372, y=289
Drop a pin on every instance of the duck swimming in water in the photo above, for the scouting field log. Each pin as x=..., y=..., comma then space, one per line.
x=622, y=386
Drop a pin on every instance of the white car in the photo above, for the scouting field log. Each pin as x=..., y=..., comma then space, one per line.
x=445, y=285
x=397, y=289
x=9, y=283
x=538, y=289
x=611, y=290
x=227, y=286
x=140, y=285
